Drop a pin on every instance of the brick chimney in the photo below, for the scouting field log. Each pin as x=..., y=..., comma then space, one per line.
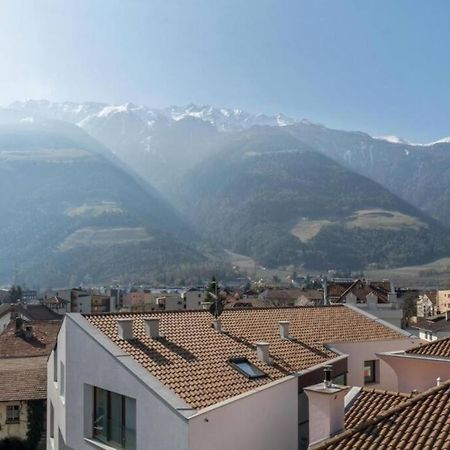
x=326, y=409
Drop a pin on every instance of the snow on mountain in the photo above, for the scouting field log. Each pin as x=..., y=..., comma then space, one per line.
x=392, y=139
x=223, y=119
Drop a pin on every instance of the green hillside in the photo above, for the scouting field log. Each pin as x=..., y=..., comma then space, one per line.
x=269, y=196
x=71, y=214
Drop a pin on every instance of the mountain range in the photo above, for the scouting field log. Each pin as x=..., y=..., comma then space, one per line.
x=280, y=190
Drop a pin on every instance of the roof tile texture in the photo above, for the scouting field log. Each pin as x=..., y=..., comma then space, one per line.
x=420, y=423
x=439, y=348
x=192, y=358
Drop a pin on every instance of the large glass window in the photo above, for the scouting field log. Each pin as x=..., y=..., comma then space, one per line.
x=114, y=419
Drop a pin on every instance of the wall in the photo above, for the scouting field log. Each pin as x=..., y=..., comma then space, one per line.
x=4, y=321
x=88, y=362
x=14, y=429
x=263, y=420
x=443, y=301
x=365, y=351
x=417, y=373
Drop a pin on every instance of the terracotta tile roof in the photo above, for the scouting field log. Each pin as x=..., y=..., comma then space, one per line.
x=23, y=379
x=192, y=358
x=421, y=423
x=371, y=402
x=44, y=338
x=439, y=348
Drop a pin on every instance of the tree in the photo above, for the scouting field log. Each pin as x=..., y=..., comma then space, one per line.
x=212, y=290
x=15, y=294
x=409, y=307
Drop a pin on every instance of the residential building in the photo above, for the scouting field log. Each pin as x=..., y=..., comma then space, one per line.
x=379, y=298
x=443, y=301
x=419, y=368
x=426, y=304
x=184, y=380
x=431, y=328
x=378, y=420
x=24, y=349
x=5, y=316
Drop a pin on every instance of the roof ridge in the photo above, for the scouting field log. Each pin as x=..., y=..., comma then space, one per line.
x=384, y=391
x=383, y=415
x=187, y=311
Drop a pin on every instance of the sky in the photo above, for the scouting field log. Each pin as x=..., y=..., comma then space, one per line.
x=380, y=66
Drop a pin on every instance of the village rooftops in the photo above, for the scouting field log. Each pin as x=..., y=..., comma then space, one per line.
x=204, y=366
x=38, y=340
x=420, y=422
x=23, y=379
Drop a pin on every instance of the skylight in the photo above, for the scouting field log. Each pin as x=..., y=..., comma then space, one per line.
x=244, y=366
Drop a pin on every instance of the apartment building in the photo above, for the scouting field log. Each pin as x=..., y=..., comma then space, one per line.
x=184, y=380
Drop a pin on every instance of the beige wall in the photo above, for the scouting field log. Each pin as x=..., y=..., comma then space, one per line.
x=443, y=301
x=263, y=420
x=417, y=373
x=14, y=429
x=358, y=352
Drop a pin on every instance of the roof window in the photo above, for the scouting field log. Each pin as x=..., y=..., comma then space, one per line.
x=245, y=367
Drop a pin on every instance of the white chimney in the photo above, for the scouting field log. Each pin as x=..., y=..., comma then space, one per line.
x=284, y=329
x=438, y=381
x=217, y=325
x=125, y=328
x=326, y=410
x=262, y=351
x=151, y=326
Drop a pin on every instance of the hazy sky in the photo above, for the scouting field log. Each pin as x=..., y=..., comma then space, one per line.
x=381, y=66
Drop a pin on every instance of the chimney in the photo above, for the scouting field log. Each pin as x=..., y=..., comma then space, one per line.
x=284, y=329
x=326, y=408
x=28, y=333
x=217, y=325
x=151, y=326
x=438, y=381
x=19, y=323
x=125, y=328
x=262, y=351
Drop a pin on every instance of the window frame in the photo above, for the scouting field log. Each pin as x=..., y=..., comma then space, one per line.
x=12, y=418
x=234, y=362
x=106, y=436
x=373, y=367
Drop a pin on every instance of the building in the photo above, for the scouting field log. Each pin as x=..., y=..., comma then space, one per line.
x=431, y=328
x=5, y=316
x=24, y=349
x=388, y=420
x=34, y=312
x=443, y=301
x=378, y=298
x=426, y=304
x=419, y=368
x=182, y=380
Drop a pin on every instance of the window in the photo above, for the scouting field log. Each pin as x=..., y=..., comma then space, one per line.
x=114, y=419
x=369, y=372
x=61, y=379
x=245, y=367
x=12, y=414
x=52, y=421
x=55, y=364
x=340, y=379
